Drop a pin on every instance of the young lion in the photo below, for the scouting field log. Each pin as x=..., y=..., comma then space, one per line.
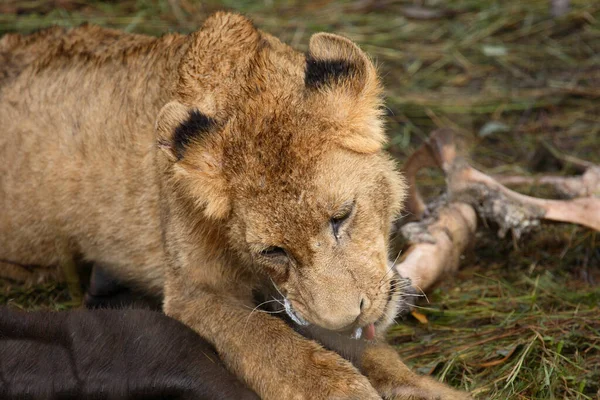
x=213, y=167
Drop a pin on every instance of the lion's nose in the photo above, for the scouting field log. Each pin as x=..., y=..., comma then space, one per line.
x=365, y=303
x=340, y=318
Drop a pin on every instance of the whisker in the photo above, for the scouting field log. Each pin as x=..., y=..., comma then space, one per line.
x=264, y=302
x=256, y=309
x=413, y=295
x=422, y=292
x=391, y=267
x=396, y=282
x=276, y=288
x=270, y=312
x=422, y=308
x=279, y=301
x=397, y=257
x=387, y=272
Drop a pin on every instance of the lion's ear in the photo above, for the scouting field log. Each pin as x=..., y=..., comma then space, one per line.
x=338, y=70
x=215, y=66
x=190, y=141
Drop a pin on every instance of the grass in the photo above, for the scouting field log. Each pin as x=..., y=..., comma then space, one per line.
x=516, y=323
x=520, y=321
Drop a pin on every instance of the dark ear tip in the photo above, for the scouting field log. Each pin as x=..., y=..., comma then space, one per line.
x=334, y=59
x=319, y=73
x=192, y=129
x=177, y=126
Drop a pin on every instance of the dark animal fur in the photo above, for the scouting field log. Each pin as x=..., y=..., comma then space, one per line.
x=192, y=129
x=108, y=354
x=326, y=72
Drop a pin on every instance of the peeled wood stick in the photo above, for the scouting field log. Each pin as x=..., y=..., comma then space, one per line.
x=585, y=185
x=511, y=210
x=447, y=226
x=423, y=157
x=437, y=240
x=516, y=211
x=436, y=244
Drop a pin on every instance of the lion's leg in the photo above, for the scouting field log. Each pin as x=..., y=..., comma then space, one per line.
x=394, y=380
x=384, y=368
x=15, y=272
x=26, y=275
x=263, y=351
x=68, y=267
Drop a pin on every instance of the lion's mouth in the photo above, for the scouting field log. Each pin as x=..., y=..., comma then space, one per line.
x=293, y=314
x=392, y=307
x=368, y=331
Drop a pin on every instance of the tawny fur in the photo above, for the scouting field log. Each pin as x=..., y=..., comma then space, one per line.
x=95, y=164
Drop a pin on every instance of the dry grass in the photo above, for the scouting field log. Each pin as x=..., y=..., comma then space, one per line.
x=521, y=321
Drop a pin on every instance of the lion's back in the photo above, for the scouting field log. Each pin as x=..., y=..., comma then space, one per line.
x=77, y=111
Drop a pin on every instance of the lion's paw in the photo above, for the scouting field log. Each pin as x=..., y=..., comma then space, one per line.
x=427, y=389
x=335, y=378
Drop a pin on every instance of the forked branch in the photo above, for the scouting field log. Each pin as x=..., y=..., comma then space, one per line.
x=447, y=225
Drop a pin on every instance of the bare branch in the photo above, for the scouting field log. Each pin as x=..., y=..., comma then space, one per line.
x=448, y=225
x=511, y=210
x=436, y=244
x=586, y=185
x=421, y=158
x=437, y=241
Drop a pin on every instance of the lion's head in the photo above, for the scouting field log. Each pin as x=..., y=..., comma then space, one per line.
x=284, y=150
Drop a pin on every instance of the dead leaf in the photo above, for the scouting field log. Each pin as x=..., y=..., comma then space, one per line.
x=422, y=318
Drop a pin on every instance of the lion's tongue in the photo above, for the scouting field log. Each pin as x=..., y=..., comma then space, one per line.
x=370, y=332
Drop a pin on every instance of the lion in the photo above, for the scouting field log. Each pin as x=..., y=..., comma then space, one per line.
x=214, y=168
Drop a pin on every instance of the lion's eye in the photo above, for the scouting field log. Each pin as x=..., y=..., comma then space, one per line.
x=338, y=220
x=273, y=252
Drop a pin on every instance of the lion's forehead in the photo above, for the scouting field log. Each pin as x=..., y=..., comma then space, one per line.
x=281, y=212
x=312, y=186
x=296, y=188
x=276, y=155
